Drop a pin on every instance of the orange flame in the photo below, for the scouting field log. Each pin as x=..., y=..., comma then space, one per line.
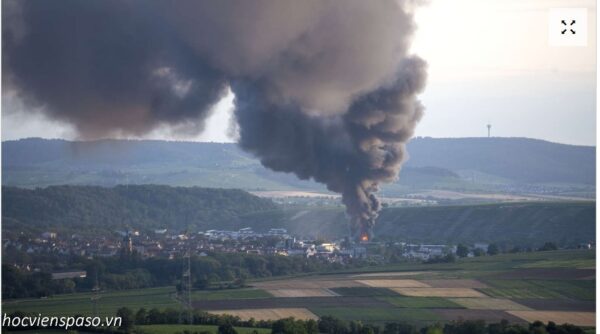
x=364, y=237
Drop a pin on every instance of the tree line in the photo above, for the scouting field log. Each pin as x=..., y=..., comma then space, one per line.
x=214, y=271
x=326, y=325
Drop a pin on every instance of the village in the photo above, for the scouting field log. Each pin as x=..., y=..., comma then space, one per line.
x=163, y=243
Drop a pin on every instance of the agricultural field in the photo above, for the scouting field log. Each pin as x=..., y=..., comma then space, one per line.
x=421, y=302
x=439, y=292
x=364, y=292
x=302, y=293
x=489, y=304
x=270, y=313
x=106, y=305
x=229, y=294
x=379, y=314
x=488, y=288
x=393, y=283
x=517, y=287
x=542, y=289
x=580, y=318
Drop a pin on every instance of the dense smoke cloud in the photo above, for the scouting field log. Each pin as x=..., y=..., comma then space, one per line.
x=323, y=89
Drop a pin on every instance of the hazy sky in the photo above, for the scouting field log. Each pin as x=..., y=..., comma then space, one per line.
x=489, y=62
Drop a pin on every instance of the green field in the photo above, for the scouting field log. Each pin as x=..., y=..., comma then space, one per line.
x=170, y=329
x=107, y=304
x=230, y=294
x=478, y=267
x=543, y=289
x=570, y=289
x=519, y=289
x=420, y=302
x=566, y=263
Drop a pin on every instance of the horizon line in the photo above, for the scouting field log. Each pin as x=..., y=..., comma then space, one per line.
x=233, y=142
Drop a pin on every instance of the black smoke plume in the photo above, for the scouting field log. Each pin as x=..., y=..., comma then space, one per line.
x=323, y=89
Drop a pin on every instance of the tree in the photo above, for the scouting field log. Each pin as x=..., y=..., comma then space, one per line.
x=367, y=330
x=464, y=327
x=288, y=326
x=399, y=328
x=202, y=283
x=312, y=327
x=548, y=246
x=355, y=326
x=155, y=316
x=448, y=258
x=478, y=252
x=537, y=327
x=493, y=249
x=434, y=329
x=331, y=325
x=141, y=317
x=226, y=328
x=126, y=316
x=516, y=249
x=462, y=250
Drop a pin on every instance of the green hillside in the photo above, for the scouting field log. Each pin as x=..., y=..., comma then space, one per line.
x=88, y=208
x=148, y=207
x=522, y=224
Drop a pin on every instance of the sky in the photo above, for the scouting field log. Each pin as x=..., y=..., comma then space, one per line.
x=489, y=63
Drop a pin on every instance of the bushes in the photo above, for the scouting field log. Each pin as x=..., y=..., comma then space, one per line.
x=292, y=326
x=448, y=258
x=226, y=329
x=548, y=246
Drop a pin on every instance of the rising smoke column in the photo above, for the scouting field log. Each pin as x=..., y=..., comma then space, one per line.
x=323, y=89
x=351, y=153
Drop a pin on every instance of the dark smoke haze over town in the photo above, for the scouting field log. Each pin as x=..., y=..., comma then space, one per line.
x=323, y=89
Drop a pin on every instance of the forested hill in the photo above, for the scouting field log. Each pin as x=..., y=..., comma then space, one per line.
x=522, y=224
x=89, y=208
x=519, y=159
x=435, y=163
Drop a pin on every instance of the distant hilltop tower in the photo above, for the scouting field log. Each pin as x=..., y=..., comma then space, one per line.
x=489, y=126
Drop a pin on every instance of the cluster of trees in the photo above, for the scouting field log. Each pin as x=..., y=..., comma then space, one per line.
x=463, y=251
x=448, y=258
x=331, y=325
x=214, y=271
x=326, y=324
x=18, y=284
x=78, y=208
x=493, y=249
